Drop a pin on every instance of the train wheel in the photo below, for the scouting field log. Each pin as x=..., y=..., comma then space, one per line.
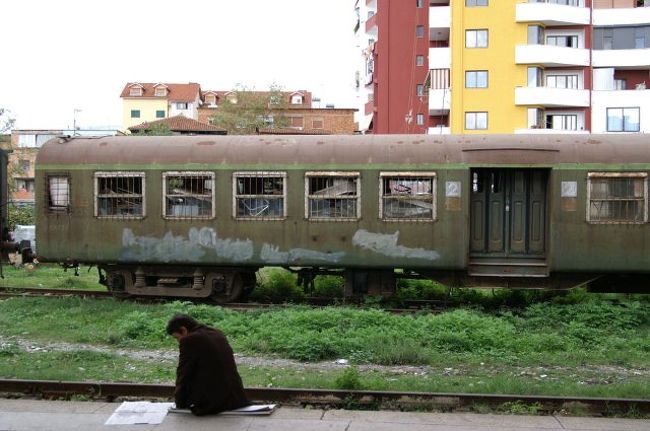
x=119, y=282
x=222, y=291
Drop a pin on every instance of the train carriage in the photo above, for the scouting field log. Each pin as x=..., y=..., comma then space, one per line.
x=198, y=216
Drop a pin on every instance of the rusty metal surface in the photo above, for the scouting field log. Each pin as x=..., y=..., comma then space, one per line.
x=320, y=396
x=348, y=149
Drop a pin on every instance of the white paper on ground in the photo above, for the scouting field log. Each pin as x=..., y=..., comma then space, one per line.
x=139, y=412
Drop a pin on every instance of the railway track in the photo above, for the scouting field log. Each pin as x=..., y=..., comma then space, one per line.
x=331, y=398
x=413, y=305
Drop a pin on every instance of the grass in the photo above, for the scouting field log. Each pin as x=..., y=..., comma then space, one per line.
x=51, y=276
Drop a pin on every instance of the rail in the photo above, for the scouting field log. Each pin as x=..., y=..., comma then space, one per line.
x=332, y=398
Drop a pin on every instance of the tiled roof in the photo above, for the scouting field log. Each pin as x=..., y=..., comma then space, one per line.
x=175, y=92
x=306, y=101
x=180, y=123
x=290, y=131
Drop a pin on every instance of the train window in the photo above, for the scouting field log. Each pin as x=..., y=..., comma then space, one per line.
x=188, y=195
x=58, y=193
x=332, y=195
x=407, y=196
x=119, y=195
x=617, y=197
x=259, y=195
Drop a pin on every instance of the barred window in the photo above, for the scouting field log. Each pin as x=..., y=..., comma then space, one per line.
x=407, y=196
x=617, y=197
x=332, y=195
x=259, y=195
x=119, y=195
x=58, y=193
x=188, y=195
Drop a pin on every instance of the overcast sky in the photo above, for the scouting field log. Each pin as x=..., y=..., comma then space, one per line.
x=66, y=54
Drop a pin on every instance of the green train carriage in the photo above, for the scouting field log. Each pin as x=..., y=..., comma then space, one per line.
x=198, y=216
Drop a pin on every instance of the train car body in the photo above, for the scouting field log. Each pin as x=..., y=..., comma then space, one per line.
x=197, y=216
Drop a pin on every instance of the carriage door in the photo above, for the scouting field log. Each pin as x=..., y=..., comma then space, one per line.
x=508, y=213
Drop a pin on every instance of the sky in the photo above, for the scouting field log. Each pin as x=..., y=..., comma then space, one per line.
x=59, y=56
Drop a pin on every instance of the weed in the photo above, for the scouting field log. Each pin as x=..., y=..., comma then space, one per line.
x=350, y=379
x=521, y=408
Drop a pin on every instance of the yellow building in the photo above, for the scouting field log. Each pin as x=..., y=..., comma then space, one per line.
x=146, y=102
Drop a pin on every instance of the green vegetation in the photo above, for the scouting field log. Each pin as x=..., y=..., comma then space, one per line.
x=18, y=214
x=51, y=276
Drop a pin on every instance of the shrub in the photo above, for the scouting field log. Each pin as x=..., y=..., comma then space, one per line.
x=329, y=286
x=277, y=285
x=349, y=379
x=23, y=215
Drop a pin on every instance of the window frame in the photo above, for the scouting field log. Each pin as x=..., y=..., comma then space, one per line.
x=50, y=207
x=475, y=114
x=167, y=174
x=643, y=199
x=135, y=113
x=419, y=60
x=623, y=109
x=259, y=174
x=476, y=74
x=333, y=174
x=419, y=31
x=160, y=111
x=119, y=174
x=476, y=31
x=475, y=3
x=410, y=174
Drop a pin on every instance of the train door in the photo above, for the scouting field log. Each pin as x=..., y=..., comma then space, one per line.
x=508, y=215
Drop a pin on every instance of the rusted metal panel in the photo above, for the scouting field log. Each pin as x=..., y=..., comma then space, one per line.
x=407, y=150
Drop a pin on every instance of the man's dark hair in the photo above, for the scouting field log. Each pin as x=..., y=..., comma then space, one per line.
x=175, y=323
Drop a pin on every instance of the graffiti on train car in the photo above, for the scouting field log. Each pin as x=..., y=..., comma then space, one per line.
x=172, y=247
x=386, y=244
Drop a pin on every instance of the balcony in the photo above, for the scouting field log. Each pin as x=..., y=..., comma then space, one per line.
x=439, y=23
x=550, y=55
x=621, y=58
x=439, y=101
x=603, y=99
x=439, y=130
x=371, y=26
x=439, y=58
x=551, y=97
x=551, y=14
x=621, y=17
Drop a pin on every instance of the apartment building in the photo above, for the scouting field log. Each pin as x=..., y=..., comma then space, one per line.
x=507, y=66
x=147, y=102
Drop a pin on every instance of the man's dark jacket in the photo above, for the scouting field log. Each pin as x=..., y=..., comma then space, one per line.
x=207, y=380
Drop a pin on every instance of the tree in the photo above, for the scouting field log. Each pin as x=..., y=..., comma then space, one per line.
x=6, y=122
x=155, y=129
x=245, y=111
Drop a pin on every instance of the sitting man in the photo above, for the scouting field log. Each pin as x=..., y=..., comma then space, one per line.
x=207, y=381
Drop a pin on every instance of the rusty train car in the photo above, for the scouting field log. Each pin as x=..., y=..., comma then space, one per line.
x=198, y=216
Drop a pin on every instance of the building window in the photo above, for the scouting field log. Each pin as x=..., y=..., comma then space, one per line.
x=407, y=196
x=181, y=105
x=476, y=79
x=620, y=84
x=135, y=91
x=562, y=121
x=58, y=193
x=160, y=92
x=419, y=3
x=24, y=165
x=419, y=119
x=562, y=81
x=476, y=38
x=26, y=184
x=535, y=35
x=332, y=195
x=618, y=197
x=476, y=120
x=188, y=195
x=419, y=31
x=535, y=118
x=135, y=113
x=535, y=75
x=563, y=41
x=211, y=99
x=419, y=60
x=119, y=195
x=623, y=119
x=317, y=123
x=296, y=100
x=419, y=90
x=472, y=3
x=297, y=122
x=160, y=114
x=259, y=195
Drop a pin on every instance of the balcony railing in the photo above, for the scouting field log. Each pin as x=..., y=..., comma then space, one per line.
x=551, y=97
x=622, y=58
x=550, y=55
x=553, y=14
